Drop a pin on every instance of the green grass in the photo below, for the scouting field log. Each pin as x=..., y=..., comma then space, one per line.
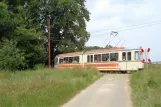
x=43, y=88
x=146, y=87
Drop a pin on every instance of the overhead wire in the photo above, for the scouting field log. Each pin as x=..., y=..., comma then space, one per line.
x=135, y=28
x=114, y=29
x=156, y=22
x=138, y=27
x=128, y=28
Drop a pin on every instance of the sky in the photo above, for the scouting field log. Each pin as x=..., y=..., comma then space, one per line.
x=138, y=23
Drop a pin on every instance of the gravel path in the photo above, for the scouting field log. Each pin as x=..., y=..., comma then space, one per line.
x=112, y=90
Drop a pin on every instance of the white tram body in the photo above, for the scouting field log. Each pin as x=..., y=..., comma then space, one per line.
x=111, y=59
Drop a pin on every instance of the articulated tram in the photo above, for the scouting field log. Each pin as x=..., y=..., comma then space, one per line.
x=110, y=59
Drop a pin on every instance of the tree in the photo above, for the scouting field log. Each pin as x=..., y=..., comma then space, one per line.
x=25, y=22
x=31, y=42
x=68, y=27
x=92, y=47
x=108, y=46
x=6, y=25
x=18, y=24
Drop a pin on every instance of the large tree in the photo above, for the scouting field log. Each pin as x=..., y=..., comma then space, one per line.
x=25, y=22
x=68, y=24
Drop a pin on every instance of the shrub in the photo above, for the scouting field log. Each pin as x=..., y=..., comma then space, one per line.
x=39, y=66
x=11, y=58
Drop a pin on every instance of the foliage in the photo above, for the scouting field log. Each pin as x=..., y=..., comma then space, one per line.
x=68, y=27
x=43, y=88
x=86, y=48
x=146, y=86
x=6, y=25
x=11, y=58
x=108, y=46
x=33, y=43
x=92, y=47
x=25, y=21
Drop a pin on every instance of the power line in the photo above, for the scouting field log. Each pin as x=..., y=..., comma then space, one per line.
x=157, y=22
x=131, y=29
x=138, y=27
x=128, y=29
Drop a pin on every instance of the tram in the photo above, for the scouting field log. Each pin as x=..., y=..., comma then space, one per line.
x=110, y=59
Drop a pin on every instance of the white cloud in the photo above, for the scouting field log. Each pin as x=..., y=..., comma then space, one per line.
x=106, y=14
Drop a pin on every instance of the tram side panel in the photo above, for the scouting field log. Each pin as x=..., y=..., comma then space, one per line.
x=131, y=65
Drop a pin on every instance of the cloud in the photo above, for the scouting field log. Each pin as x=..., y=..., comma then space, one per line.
x=111, y=14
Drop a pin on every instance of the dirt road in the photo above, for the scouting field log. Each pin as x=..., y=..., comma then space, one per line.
x=111, y=90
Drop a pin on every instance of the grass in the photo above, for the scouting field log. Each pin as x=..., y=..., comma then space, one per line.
x=146, y=87
x=43, y=88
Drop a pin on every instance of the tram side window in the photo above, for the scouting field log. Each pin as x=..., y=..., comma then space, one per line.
x=70, y=59
x=66, y=60
x=60, y=60
x=113, y=56
x=90, y=58
x=124, y=56
x=105, y=57
x=129, y=56
x=76, y=59
x=97, y=58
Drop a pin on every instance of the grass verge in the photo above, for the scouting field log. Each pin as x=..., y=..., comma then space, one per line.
x=43, y=88
x=146, y=87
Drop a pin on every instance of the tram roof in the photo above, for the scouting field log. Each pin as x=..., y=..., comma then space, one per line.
x=97, y=51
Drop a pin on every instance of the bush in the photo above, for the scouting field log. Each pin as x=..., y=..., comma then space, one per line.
x=39, y=66
x=11, y=58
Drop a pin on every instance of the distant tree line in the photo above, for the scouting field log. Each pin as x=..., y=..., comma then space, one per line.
x=96, y=47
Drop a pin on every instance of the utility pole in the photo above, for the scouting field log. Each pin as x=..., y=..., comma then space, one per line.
x=49, y=51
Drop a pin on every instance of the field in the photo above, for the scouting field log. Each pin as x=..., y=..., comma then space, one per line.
x=43, y=88
x=146, y=87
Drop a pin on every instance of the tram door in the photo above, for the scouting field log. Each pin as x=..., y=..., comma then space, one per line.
x=126, y=58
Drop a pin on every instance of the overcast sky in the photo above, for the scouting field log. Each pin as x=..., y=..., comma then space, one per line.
x=112, y=14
